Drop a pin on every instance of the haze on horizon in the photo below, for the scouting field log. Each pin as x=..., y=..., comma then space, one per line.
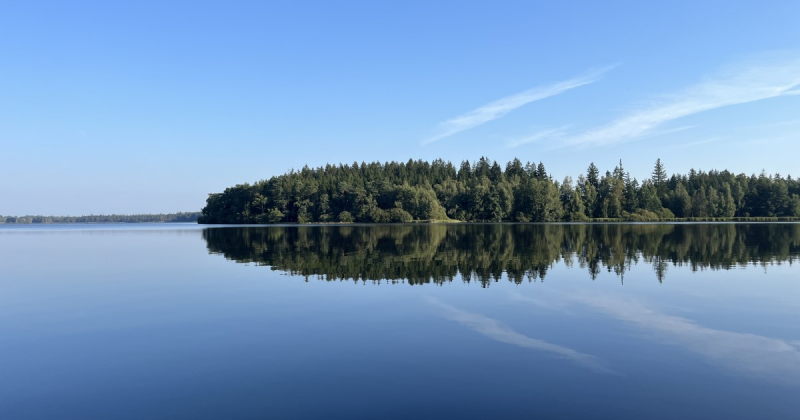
x=148, y=107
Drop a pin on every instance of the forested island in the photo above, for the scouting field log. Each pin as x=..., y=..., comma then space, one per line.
x=181, y=217
x=484, y=191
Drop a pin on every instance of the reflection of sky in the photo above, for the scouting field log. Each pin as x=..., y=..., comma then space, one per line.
x=744, y=353
x=504, y=334
x=135, y=322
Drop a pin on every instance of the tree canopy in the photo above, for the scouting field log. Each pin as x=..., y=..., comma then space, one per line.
x=483, y=191
x=182, y=217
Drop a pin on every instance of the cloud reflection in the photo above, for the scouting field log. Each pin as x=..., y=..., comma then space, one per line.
x=504, y=334
x=749, y=354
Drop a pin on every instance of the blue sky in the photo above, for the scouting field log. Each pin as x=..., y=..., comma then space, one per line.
x=131, y=107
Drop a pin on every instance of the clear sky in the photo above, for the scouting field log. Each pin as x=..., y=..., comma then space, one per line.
x=148, y=106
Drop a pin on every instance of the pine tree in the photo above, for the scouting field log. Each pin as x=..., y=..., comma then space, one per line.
x=593, y=175
x=660, y=179
x=659, y=174
x=541, y=173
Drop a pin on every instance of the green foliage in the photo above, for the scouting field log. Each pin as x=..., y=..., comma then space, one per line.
x=593, y=175
x=794, y=206
x=183, y=217
x=681, y=201
x=398, y=215
x=665, y=213
x=659, y=174
x=641, y=215
x=483, y=192
x=345, y=217
x=275, y=215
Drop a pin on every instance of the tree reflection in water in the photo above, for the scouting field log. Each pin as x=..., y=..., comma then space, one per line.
x=420, y=254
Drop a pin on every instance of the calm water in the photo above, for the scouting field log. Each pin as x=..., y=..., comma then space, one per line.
x=397, y=322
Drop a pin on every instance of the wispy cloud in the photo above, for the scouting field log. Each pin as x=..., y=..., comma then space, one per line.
x=778, y=124
x=538, y=136
x=743, y=83
x=553, y=136
x=501, y=107
x=504, y=334
x=701, y=142
x=765, y=141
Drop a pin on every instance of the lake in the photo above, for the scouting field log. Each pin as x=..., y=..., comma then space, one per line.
x=464, y=321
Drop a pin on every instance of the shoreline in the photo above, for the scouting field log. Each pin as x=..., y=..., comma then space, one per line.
x=708, y=220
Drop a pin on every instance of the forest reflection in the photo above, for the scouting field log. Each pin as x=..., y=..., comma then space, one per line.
x=420, y=254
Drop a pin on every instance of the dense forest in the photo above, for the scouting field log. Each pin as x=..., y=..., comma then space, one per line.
x=419, y=254
x=183, y=217
x=483, y=191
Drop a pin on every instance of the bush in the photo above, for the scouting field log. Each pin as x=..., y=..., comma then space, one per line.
x=666, y=213
x=640, y=215
x=577, y=217
x=304, y=217
x=397, y=215
x=275, y=215
x=345, y=217
x=379, y=215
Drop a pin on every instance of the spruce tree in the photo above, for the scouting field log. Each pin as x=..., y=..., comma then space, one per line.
x=593, y=175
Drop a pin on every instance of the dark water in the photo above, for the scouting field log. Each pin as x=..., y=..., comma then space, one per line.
x=396, y=322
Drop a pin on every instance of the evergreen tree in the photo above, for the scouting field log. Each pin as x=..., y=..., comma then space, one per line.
x=593, y=175
x=659, y=173
x=659, y=179
x=681, y=201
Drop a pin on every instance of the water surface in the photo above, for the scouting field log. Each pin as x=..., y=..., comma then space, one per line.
x=656, y=321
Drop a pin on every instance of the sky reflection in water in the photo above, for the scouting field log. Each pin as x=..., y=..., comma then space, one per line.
x=469, y=321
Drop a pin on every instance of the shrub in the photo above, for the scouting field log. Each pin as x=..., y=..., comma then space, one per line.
x=666, y=213
x=345, y=217
x=398, y=215
x=275, y=215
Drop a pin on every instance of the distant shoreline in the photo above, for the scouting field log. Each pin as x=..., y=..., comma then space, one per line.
x=585, y=222
x=180, y=217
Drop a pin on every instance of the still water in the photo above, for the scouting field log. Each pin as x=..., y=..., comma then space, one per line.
x=638, y=321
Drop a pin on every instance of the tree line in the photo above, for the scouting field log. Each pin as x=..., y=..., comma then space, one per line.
x=484, y=191
x=181, y=217
x=420, y=254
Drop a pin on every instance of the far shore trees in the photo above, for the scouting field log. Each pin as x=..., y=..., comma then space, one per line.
x=399, y=192
x=183, y=217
